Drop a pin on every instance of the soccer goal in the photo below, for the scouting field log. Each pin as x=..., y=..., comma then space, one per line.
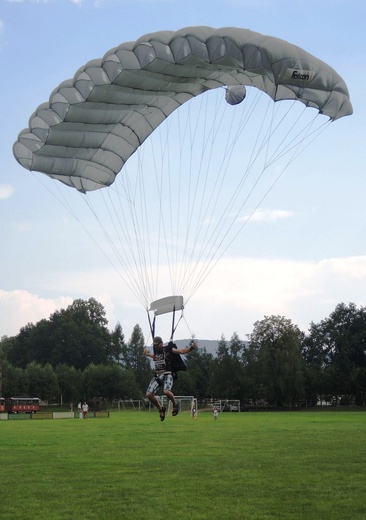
x=228, y=405
x=131, y=404
x=184, y=403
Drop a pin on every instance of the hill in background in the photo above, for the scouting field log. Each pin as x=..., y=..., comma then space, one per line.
x=209, y=344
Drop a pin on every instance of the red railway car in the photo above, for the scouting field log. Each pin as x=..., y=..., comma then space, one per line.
x=22, y=404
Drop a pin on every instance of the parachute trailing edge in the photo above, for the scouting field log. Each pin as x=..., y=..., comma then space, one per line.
x=94, y=122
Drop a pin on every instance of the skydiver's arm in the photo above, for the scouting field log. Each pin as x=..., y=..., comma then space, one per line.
x=147, y=353
x=184, y=350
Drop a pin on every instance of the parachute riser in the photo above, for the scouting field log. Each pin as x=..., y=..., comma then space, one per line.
x=151, y=325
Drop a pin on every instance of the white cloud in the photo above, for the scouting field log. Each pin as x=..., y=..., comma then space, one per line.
x=243, y=290
x=268, y=215
x=238, y=292
x=6, y=191
x=18, y=308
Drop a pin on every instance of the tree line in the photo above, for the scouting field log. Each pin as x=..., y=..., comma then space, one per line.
x=73, y=355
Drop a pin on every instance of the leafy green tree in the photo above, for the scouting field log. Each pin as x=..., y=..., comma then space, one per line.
x=118, y=343
x=33, y=343
x=236, y=346
x=20, y=349
x=2, y=360
x=220, y=370
x=196, y=379
x=69, y=381
x=15, y=382
x=75, y=336
x=134, y=358
x=80, y=335
x=276, y=345
x=42, y=381
x=315, y=362
x=222, y=351
x=251, y=391
x=6, y=344
x=340, y=341
x=134, y=353
x=228, y=371
x=199, y=373
x=109, y=382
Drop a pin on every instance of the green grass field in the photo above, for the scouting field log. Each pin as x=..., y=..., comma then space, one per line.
x=264, y=465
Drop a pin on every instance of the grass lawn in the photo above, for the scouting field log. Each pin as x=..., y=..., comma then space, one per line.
x=255, y=466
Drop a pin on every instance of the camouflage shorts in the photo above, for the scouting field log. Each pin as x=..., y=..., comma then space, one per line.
x=164, y=380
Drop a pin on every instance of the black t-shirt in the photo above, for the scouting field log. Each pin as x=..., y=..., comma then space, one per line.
x=163, y=359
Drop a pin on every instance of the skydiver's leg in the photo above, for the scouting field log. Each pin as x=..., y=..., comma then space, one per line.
x=153, y=400
x=170, y=396
x=168, y=385
x=154, y=385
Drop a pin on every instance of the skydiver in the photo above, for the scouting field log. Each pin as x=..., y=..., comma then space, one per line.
x=163, y=373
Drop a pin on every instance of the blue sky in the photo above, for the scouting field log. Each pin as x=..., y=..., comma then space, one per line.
x=300, y=265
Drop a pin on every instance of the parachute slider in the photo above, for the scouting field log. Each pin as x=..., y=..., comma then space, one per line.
x=235, y=94
x=167, y=304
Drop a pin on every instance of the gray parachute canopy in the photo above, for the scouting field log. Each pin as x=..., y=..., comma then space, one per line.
x=94, y=122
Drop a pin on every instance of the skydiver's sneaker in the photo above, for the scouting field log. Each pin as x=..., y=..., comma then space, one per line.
x=162, y=413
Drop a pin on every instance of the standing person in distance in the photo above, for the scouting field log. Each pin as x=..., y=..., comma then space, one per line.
x=215, y=413
x=85, y=409
x=163, y=373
